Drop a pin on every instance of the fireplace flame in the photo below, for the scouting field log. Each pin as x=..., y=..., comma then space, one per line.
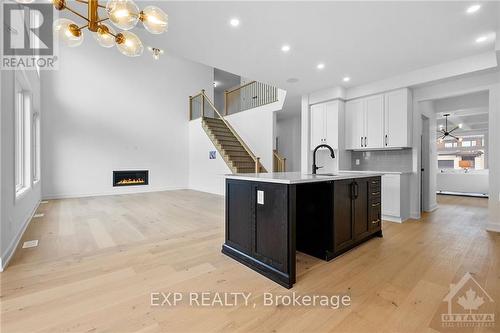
x=131, y=181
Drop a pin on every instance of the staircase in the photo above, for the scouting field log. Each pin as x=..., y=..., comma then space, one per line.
x=237, y=155
x=231, y=150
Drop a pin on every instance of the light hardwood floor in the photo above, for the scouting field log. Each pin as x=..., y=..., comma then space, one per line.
x=99, y=259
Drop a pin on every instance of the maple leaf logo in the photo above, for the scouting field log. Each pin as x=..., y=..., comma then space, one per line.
x=471, y=301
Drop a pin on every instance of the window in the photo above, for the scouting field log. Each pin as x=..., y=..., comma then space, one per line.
x=19, y=142
x=22, y=132
x=466, y=144
x=36, y=147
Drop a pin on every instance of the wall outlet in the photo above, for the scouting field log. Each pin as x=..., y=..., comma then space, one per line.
x=260, y=197
x=357, y=161
x=211, y=155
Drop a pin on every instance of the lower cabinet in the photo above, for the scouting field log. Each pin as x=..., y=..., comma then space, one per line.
x=336, y=216
x=356, y=213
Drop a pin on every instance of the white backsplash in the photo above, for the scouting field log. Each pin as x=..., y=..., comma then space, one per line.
x=382, y=160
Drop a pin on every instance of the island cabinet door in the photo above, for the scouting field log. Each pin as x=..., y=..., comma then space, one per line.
x=343, y=195
x=270, y=230
x=240, y=201
x=361, y=202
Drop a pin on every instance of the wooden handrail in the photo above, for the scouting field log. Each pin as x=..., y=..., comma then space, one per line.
x=248, y=96
x=254, y=158
x=240, y=87
x=280, y=165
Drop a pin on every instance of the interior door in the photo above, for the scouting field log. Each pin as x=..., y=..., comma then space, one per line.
x=374, y=112
x=342, y=214
x=317, y=125
x=361, y=223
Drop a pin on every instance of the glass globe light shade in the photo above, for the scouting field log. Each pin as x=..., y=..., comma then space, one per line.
x=67, y=31
x=103, y=36
x=154, y=19
x=129, y=44
x=123, y=13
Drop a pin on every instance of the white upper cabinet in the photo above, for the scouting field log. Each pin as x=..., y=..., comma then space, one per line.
x=397, y=119
x=325, y=124
x=379, y=121
x=374, y=118
x=355, y=124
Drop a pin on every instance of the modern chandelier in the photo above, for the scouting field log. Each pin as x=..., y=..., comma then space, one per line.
x=444, y=132
x=124, y=14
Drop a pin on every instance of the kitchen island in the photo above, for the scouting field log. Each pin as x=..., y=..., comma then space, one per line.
x=270, y=216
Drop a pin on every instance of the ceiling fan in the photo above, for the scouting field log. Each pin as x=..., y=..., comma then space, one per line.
x=444, y=132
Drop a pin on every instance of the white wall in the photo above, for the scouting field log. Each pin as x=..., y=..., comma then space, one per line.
x=15, y=214
x=106, y=112
x=204, y=174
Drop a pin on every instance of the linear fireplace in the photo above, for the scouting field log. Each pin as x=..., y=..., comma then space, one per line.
x=130, y=177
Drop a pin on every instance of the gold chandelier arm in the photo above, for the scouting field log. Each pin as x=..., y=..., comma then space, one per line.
x=77, y=14
x=102, y=20
x=86, y=2
x=83, y=27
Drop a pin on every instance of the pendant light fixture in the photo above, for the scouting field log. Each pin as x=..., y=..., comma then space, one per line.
x=444, y=132
x=123, y=14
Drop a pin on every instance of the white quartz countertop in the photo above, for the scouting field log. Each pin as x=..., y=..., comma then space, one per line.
x=298, y=177
x=379, y=172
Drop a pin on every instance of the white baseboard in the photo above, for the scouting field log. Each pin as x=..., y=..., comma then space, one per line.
x=495, y=227
x=391, y=218
x=432, y=208
x=99, y=194
x=11, y=249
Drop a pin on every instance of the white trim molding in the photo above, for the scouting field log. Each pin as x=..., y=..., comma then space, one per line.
x=11, y=249
x=494, y=227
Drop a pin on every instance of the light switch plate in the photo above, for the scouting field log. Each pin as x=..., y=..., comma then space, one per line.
x=260, y=197
x=357, y=161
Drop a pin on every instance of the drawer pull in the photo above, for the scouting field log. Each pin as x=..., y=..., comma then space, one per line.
x=376, y=221
x=375, y=193
x=376, y=204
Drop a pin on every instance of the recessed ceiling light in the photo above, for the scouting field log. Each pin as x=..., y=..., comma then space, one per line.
x=285, y=48
x=472, y=9
x=234, y=22
x=320, y=66
x=346, y=79
x=481, y=39
x=292, y=80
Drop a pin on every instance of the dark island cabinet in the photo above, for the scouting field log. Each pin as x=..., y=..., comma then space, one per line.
x=266, y=222
x=356, y=213
x=260, y=228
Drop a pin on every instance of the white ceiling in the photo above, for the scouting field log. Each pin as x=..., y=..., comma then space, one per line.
x=367, y=41
x=470, y=110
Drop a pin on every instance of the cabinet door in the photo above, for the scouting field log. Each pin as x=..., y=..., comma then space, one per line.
x=374, y=113
x=317, y=125
x=271, y=225
x=354, y=125
x=342, y=214
x=391, y=195
x=361, y=226
x=396, y=119
x=240, y=211
x=332, y=124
